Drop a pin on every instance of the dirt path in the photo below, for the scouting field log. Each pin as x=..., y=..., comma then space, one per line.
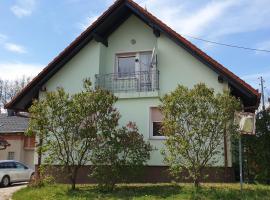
x=6, y=193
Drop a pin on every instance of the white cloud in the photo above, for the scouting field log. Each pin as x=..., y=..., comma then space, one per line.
x=20, y=12
x=10, y=46
x=15, y=70
x=253, y=79
x=2, y=37
x=211, y=19
x=14, y=48
x=199, y=21
x=23, y=8
x=178, y=16
x=87, y=22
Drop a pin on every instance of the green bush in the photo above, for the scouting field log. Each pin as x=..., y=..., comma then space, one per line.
x=119, y=156
x=196, y=121
x=43, y=179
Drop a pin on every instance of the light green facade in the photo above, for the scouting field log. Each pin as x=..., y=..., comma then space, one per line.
x=175, y=64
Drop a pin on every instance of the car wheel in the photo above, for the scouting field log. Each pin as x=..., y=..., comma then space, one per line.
x=32, y=178
x=5, y=181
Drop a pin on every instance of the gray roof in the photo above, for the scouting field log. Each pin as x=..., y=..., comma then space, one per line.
x=11, y=124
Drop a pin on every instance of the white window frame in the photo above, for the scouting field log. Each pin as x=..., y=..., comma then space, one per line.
x=135, y=54
x=151, y=125
x=124, y=55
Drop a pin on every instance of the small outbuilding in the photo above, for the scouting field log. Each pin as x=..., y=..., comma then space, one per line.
x=17, y=146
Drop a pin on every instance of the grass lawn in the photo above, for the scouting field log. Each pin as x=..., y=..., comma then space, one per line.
x=146, y=192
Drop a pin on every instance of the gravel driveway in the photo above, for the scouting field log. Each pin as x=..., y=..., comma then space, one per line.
x=6, y=193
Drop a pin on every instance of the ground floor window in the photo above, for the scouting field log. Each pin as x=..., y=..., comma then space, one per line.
x=157, y=128
x=156, y=119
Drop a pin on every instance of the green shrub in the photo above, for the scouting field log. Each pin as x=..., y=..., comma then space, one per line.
x=119, y=156
x=196, y=121
x=42, y=180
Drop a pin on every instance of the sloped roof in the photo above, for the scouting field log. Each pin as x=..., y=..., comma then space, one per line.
x=106, y=24
x=13, y=124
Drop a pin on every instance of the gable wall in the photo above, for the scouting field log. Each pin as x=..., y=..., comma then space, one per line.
x=83, y=65
x=175, y=64
x=120, y=42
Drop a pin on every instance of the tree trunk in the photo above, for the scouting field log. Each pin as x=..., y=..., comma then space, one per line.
x=73, y=184
x=38, y=174
x=197, y=178
x=73, y=177
x=196, y=182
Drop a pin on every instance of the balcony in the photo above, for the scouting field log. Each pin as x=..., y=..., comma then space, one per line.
x=136, y=82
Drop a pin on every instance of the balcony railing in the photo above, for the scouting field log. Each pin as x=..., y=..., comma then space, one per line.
x=139, y=81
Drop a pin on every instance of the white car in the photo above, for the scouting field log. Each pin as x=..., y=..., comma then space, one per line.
x=13, y=172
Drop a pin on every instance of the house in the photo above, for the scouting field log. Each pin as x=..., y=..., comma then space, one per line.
x=19, y=147
x=136, y=56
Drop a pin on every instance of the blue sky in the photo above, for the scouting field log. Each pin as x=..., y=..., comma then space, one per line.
x=33, y=32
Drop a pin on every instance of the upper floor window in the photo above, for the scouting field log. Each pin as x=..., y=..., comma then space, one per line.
x=11, y=155
x=126, y=65
x=132, y=64
x=156, y=119
x=29, y=142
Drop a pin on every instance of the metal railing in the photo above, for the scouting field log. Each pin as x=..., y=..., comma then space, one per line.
x=139, y=81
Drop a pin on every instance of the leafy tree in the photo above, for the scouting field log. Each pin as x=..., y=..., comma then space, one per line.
x=257, y=150
x=9, y=88
x=119, y=156
x=69, y=125
x=194, y=124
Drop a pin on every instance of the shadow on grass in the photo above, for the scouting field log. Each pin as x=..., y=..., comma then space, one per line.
x=127, y=192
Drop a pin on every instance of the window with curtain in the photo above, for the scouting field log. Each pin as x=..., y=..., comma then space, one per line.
x=145, y=61
x=126, y=66
x=130, y=63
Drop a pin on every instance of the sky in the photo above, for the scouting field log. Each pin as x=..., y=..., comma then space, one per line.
x=33, y=32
